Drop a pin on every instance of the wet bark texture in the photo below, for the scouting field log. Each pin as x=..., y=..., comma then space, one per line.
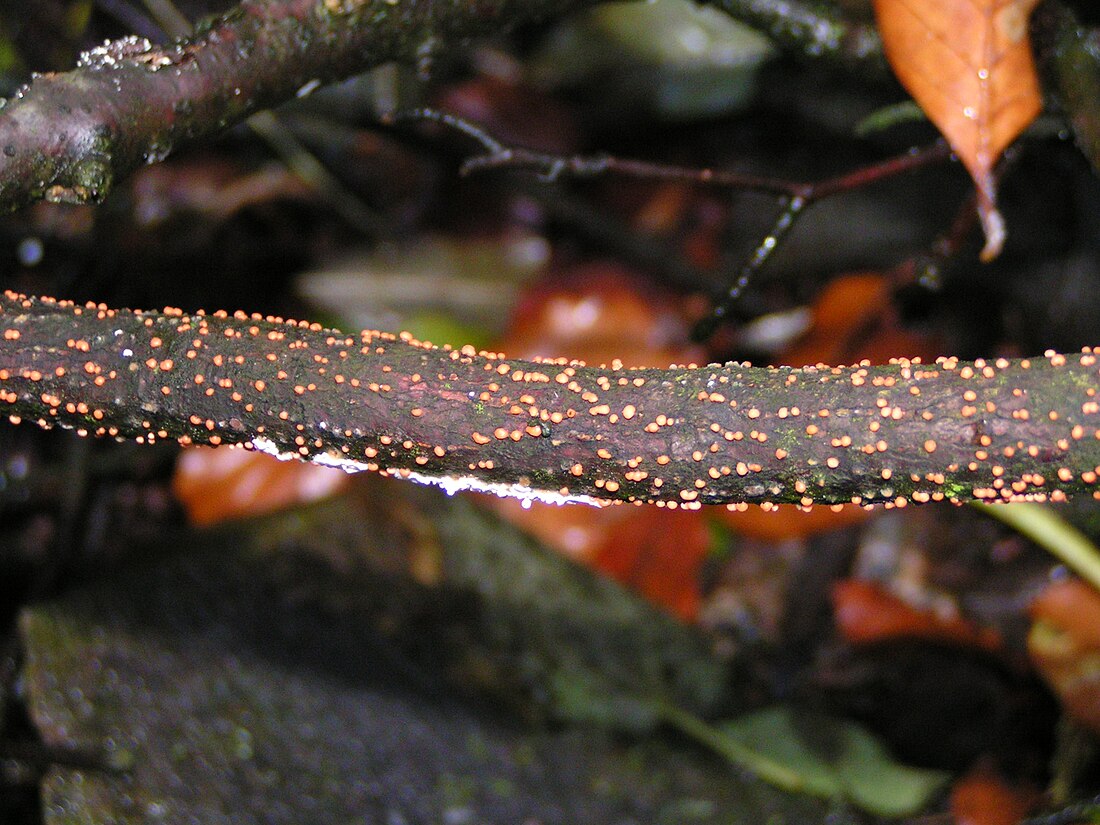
x=68, y=137
x=557, y=430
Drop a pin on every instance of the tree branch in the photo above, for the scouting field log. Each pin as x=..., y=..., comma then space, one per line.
x=558, y=430
x=814, y=30
x=68, y=137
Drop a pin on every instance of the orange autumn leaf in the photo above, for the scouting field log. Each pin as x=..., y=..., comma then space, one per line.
x=660, y=554
x=867, y=613
x=983, y=798
x=220, y=485
x=968, y=64
x=655, y=552
x=854, y=319
x=1064, y=646
x=784, y=522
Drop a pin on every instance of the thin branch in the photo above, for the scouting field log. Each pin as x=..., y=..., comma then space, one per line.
x=795, y=196
x=791, y=209
x=498, y=155
x=801, y=196
x=306, y=166
x=558, y=430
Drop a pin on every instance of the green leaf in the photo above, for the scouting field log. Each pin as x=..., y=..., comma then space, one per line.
x=819, y=755
x=875, y=782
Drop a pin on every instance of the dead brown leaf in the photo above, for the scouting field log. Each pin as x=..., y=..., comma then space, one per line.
x=968, y=64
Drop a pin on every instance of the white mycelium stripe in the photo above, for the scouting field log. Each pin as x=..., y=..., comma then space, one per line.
x=449, y=484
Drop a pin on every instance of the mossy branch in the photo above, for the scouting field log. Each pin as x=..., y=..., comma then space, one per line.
x=560, y=431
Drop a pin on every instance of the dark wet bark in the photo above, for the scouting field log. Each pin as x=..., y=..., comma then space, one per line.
x=681, y=436
x=68, y=137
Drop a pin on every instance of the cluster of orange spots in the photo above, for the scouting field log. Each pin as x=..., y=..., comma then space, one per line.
x=597, y=387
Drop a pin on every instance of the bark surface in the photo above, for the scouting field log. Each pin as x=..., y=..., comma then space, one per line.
x=556, y=430
x=68, y=137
